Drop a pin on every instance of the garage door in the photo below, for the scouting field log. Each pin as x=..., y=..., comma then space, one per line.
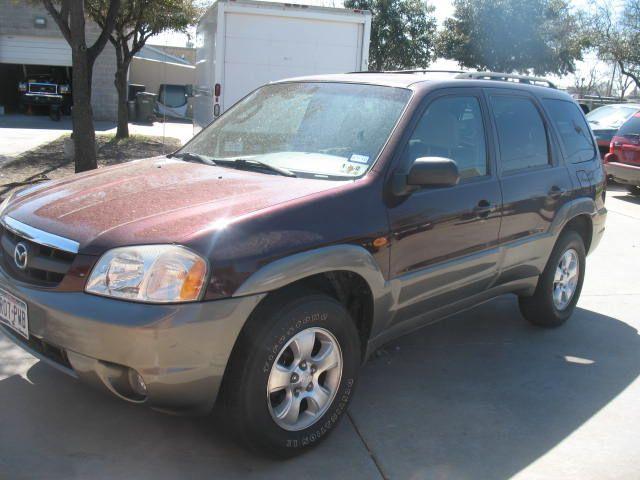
x=34, y=50
x=259, y=50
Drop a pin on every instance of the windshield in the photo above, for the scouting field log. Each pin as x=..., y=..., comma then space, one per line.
x=319, y=130
x=173, y=96
x=613, y=115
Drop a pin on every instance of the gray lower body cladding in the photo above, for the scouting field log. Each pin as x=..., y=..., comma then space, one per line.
x=181, y=351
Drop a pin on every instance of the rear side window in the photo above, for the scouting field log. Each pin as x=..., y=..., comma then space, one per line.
x=631, y=127
x=521, y=133
x=575, y=134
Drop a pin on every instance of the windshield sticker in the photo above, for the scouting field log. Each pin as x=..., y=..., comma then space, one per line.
x=353, y=169
x=233, y=146
x=359, y=159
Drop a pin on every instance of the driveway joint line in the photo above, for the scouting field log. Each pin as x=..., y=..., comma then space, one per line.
x=366, y=445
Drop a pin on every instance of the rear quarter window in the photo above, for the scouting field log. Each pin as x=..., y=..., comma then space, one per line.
x=630, y=127
x=575, y=134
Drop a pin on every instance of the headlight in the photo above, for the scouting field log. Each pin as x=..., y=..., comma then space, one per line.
x=149, y=273
x=64, y=89
x=22, y=86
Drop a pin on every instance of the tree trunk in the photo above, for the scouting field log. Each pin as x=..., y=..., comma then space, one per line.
x=84, y=135
x=123, y=111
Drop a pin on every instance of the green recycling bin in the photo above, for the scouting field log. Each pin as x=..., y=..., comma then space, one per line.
x=145, y=105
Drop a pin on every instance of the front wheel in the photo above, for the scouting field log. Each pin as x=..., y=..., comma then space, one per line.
x=292, y=373
x=559, y=285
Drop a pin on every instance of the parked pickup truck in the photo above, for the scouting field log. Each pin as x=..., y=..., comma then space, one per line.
x=43, y=90
x=256, y=268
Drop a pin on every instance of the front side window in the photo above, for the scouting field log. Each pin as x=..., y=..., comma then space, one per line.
x=522, y=137
x=452, y=127
x=575, y=134
x=313, y=129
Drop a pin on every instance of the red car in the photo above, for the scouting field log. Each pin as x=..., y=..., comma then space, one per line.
x=623, y=160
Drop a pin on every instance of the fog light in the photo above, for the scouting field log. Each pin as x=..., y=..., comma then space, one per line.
x=137, y=383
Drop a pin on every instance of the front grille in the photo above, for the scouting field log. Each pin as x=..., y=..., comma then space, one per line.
x=47, y=350
x=42, y=88
x=46, y=266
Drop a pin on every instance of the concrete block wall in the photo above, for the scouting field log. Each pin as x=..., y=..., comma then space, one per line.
x=17, y=18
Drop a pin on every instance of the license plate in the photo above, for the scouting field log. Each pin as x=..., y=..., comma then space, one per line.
x=13, y=313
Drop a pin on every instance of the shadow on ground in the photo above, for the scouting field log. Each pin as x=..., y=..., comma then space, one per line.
x=483, y=394
x=480, y=395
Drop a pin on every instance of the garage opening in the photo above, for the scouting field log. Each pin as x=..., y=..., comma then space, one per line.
x=34, y=88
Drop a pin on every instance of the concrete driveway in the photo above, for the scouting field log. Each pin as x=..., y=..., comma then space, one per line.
x=19, y=133
x=481, y=395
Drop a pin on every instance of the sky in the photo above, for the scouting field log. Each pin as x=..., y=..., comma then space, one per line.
x=443, y=9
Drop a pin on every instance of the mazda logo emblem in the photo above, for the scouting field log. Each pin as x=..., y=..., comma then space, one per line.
x=21, y=256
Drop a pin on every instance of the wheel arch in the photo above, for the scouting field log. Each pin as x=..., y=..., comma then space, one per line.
x=349, y=273
x=576, y=215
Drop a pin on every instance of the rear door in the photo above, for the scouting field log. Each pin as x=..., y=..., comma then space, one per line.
x=445, y=239
x=535, y=182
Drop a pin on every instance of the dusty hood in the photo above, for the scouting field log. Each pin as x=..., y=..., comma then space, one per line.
x=152, y=201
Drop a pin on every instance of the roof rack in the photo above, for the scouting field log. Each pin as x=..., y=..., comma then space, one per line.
x=412, y=71
x=508, y=77
x=503, y=77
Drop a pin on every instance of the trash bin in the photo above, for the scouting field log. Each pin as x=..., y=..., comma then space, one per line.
x=134, y=89
x=145, y=104
x=131, y=110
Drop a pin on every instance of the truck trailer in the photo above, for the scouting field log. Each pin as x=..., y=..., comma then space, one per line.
x=244, y=44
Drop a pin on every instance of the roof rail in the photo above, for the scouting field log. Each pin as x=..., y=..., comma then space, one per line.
x=508, y=77
x=411, y=71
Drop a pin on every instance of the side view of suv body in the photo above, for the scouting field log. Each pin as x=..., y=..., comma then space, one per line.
x=258, y=267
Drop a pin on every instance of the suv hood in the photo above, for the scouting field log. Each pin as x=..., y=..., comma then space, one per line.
x=157, y=200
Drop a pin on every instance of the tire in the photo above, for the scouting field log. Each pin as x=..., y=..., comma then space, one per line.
x=272, y=336
x=541, y=309
x=633, y=190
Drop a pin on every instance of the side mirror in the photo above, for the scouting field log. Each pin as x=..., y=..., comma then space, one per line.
x=427, y=172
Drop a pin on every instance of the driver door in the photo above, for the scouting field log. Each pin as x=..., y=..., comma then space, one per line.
x=445, y=239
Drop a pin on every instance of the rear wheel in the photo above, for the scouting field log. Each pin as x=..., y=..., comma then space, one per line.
x=292, y=373
x=633, y=190
x=560, y=284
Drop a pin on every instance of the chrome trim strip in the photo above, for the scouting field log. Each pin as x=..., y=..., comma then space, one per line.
x=40, y=237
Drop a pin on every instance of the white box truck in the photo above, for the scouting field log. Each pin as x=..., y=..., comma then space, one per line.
x=244, y=44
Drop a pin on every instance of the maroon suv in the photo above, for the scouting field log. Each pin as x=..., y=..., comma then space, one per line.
x=260, y=265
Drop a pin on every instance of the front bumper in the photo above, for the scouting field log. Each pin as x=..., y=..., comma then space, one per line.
x=181, y=351
x=41, y=99
x=623, y=173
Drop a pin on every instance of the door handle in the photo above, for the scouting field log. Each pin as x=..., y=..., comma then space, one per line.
x=483, y=209
x=556, y=192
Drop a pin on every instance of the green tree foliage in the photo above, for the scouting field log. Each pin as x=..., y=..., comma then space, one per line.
x=526, y=36
x=402, y=33
x=616, y=36
x=137, y=21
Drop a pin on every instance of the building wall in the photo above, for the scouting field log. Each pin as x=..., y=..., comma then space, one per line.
x=186, y=53
x=152, y=73
x=17, y=18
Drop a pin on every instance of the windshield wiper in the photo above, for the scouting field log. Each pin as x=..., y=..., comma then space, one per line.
x=251, y=163
x=247, y=163
x=188, y=156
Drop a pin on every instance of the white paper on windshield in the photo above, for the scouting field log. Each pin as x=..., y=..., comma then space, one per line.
x=359, y=159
